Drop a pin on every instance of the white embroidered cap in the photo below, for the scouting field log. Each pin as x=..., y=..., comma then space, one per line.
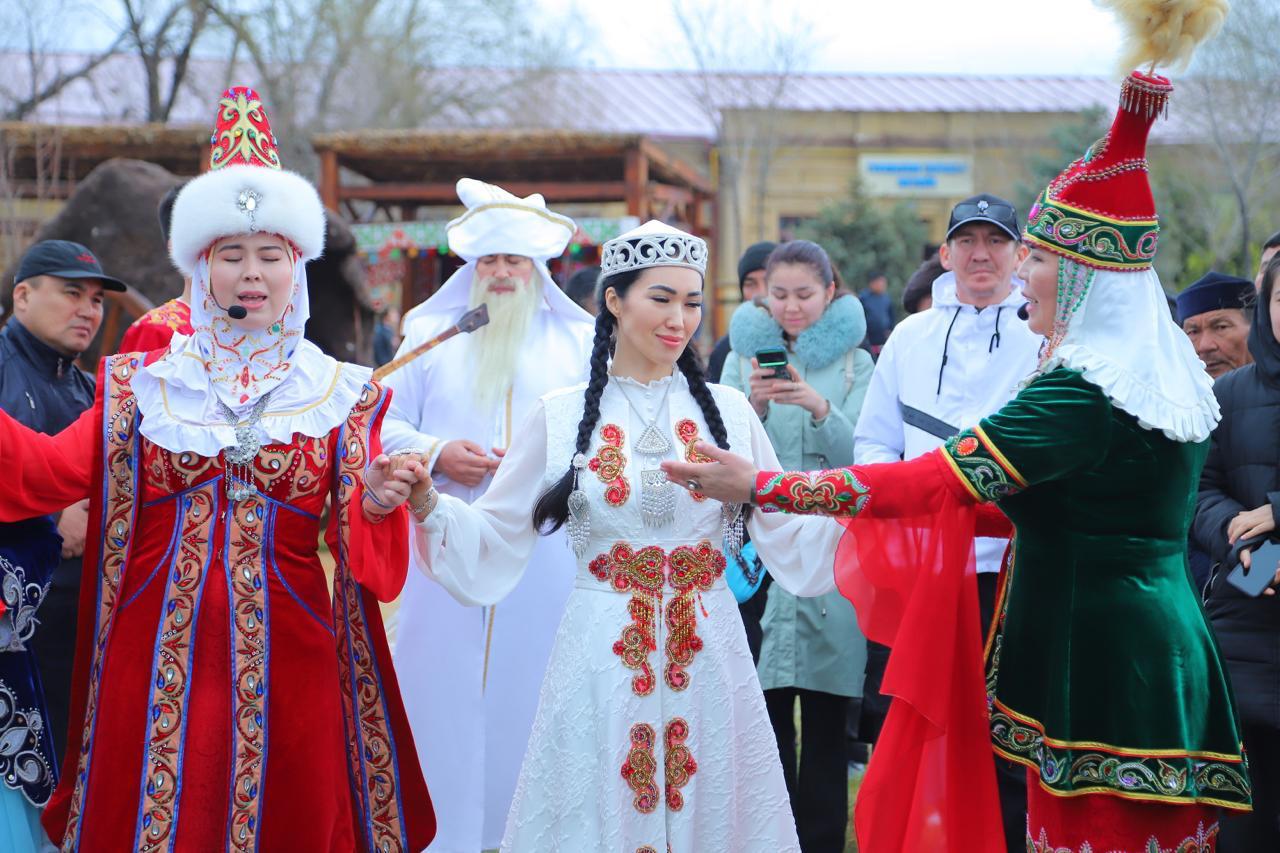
x=653, y=244
x=497, y=222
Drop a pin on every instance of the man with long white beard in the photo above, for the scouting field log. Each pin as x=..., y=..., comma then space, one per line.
x=469, y=675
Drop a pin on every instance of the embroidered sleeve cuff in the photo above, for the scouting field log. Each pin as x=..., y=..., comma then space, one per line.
x=834, y=492
x=433, y=453
x=981, y=467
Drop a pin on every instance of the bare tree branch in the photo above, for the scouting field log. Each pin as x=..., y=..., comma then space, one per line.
x=1231, y=104
x=744, y=69
x=23, y=108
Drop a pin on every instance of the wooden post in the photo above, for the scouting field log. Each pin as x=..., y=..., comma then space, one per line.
x=329, y=180
x=635, y=176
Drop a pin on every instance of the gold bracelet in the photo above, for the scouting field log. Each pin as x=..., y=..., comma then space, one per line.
x=428, y=506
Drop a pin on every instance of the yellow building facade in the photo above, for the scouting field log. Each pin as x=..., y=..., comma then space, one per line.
x=776, y=169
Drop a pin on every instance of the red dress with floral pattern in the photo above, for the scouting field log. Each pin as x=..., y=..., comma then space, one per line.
x=154, y=329
x=226, y=702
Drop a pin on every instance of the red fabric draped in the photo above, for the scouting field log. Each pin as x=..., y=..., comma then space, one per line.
x=931, y=782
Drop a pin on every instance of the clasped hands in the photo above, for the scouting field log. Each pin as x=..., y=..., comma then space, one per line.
x=392, y=479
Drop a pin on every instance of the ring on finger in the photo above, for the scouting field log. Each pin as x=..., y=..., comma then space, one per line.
x=692, y=484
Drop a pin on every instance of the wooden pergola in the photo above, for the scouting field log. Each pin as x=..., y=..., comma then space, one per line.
x=48, y=161
x=409, y=169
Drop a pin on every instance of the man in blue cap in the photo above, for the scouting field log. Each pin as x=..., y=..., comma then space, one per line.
x=57, y=309
x=1212, y=312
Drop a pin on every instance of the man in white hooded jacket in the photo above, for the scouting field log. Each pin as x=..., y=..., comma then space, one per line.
x=945, y=368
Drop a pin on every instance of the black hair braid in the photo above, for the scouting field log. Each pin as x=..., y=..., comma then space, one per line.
x=691, y=367
x=552, y=508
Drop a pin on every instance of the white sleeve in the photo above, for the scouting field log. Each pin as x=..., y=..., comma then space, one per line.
x=878, y=436
x=478, y=551
x=798, y=550
x=400, y=427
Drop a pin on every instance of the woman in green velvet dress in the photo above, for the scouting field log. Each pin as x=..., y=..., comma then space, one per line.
x=1102, y=675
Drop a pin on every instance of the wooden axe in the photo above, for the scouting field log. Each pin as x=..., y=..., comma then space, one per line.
x=472, y=320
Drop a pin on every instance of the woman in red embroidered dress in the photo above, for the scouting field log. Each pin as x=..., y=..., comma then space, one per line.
x=225, y=703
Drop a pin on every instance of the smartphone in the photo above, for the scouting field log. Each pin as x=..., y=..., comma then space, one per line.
x=1254, y=581
x=775, y=359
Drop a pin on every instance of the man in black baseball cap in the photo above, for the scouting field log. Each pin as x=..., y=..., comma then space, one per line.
x=64, y=259
x=57, y=295
x=985, y=207
x=57, y=309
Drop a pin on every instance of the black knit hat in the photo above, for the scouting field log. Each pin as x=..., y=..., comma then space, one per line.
x=754, y=259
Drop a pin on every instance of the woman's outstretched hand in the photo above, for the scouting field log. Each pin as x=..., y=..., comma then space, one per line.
x=727, y=478
x=388, y=481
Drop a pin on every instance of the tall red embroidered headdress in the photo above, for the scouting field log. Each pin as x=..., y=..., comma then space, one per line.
x=1100, y=211
x=245, y=189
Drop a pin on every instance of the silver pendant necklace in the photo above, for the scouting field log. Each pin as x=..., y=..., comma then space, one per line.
x=657, y=494
x=578, y=523
x=241, y=455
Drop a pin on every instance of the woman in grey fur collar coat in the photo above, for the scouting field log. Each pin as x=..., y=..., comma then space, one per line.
x=812, y=649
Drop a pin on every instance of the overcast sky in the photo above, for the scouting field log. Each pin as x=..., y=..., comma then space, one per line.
x=886, y=36
x=875, y=36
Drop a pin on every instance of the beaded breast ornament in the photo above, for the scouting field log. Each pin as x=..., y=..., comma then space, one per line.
x=241, y=455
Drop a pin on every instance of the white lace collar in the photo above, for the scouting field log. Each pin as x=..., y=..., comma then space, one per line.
x=656, y=385
x=1122, y=338
x=179, y=409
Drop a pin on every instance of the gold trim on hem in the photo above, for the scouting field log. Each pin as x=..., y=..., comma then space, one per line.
x=1131, y=752
x=1002, y=594
x=1115, y=792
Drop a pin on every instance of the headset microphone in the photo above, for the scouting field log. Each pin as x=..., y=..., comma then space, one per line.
x=235, y=312
x=1022, y=312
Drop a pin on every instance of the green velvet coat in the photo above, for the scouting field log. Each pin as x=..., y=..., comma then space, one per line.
x=1103, y=673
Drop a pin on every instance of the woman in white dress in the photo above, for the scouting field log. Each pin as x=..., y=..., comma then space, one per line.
x=651, y=735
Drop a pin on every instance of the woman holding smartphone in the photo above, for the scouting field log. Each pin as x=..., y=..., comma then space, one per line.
x=812, y=651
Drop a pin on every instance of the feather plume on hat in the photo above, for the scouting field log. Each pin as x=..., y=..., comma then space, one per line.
x=1165, y=33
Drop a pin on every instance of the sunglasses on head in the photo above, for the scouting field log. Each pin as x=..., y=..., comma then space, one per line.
x=984, y=210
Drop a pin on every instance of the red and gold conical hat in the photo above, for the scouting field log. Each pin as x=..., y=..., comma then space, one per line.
x=245, y=190
x=242, y=134
x=1100, y=210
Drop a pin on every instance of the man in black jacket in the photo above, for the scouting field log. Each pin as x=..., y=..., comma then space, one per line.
x=1239, y=499
x=57, y=309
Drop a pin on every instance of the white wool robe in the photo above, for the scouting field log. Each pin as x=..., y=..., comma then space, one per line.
x=470, y=727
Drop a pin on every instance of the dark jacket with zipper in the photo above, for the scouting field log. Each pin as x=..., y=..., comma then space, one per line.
x=1242, y=473
x=44, y=390
x=38, y=385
